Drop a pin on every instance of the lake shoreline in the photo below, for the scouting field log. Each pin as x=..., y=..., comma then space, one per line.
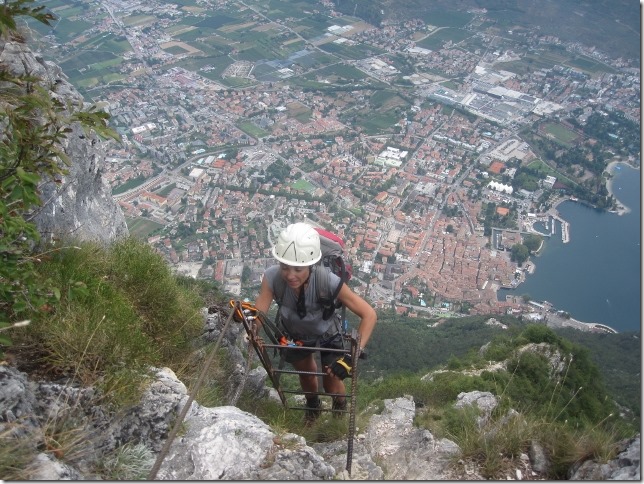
x=610, y=169
x=555, y=319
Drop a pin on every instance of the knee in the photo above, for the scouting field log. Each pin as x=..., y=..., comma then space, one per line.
x=309, y=379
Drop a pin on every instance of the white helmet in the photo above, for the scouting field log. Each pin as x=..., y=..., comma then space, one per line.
x=298, y=245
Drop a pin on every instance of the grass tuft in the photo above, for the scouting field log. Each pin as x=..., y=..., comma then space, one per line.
x=16, y=453
x=129, y=462
x=121, y=312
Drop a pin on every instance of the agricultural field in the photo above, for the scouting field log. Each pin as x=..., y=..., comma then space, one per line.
x=386, y=100
x=552, y=56
x=588, y=65
x=437, y=39
x=299, y=111
x=445, y=18
x=337, y=73
x=378, y=122
x=350, y=52
x=139, y=20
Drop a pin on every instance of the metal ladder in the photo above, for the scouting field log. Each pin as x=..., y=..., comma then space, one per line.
x=274, y=374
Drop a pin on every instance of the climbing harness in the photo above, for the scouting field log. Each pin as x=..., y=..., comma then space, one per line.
x=253, y=320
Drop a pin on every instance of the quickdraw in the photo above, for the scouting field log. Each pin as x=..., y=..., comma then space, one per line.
x=284, y=341
x=254, y=320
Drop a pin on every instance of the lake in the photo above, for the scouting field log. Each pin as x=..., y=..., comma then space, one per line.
x=596, y=277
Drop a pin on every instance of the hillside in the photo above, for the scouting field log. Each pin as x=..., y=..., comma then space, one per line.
x=409, y=345
x=124, y=316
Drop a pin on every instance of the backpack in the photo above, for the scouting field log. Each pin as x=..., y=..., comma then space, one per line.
x=332, y=248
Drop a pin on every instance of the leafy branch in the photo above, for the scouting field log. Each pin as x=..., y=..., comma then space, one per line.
x=34, y=123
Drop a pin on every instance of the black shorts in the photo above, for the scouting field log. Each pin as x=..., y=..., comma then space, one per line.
x=328, y=357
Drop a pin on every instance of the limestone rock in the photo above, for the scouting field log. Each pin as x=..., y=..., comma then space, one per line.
x=81, y=205
x=407, y=452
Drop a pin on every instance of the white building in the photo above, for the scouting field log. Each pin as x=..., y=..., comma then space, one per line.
x=500, y=187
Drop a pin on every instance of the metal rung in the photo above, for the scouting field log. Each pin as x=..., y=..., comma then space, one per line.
x=310, y=348
x=295, y=372
x=321, y=409
x=301, y=392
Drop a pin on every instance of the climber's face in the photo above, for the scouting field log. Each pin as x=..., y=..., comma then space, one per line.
x=295, y=277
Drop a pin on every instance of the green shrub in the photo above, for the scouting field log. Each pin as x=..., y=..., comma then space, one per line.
x=538, y=333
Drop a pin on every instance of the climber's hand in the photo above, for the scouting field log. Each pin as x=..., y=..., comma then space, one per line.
x=243, y=310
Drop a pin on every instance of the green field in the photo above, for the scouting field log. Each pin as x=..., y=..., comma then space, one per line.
x=64, y=30
x=87, y=58
x=544, y=169
x=313, y=26
x=560, y=133
x=352, y=52
x=54, y=5
x=338, y=72
x=210, y=67
x=175, y=50
x=386, y=100
x=438, y=38
x=194, y=34
x=128, y=185
x=451, y=85
x=302, y=184
x=139, y=20
x=545, y=58
x=299, y=111
x=165, y=191
x=589, y=66
x=445, y=19
x=213, y=22
x=105, y=42
x=292, y=13
x=141, y=228
x=252, y=130
x=70, y=11
x=237, y=82
x=377, y=123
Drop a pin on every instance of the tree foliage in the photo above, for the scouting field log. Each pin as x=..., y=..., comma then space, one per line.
x=532, y=242
x=520, y=254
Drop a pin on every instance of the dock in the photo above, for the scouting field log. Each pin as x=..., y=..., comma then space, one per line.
x=565, y=226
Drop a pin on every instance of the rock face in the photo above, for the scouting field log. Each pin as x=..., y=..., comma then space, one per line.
x=81, y=206
x=226, y=443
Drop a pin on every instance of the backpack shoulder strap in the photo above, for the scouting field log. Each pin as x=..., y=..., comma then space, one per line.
x=279, y=287
x=326, y=297
x=322, y=283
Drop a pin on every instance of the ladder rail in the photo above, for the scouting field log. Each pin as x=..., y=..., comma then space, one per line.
x=274, y=374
